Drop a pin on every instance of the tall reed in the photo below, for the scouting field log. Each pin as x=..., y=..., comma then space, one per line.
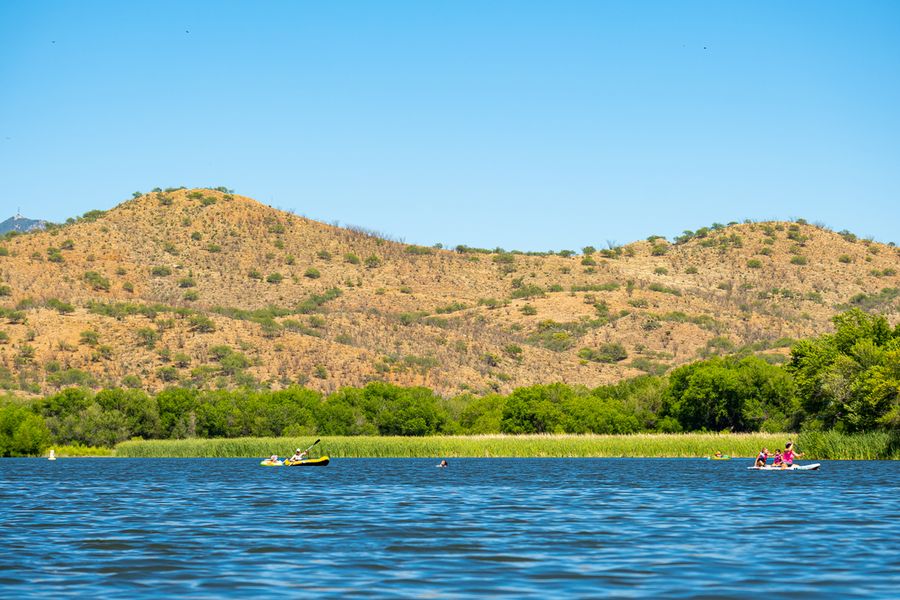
x=813, y=445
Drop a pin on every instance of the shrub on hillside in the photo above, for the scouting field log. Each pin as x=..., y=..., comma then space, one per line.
x=606, y=353
x=97, y=281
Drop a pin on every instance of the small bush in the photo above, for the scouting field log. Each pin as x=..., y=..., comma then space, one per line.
x=275, y=278
x=186, y=282
x=5, y=290
x=161, y=271
x=799, y=260
x=351, y=258
x=373, y=262
x=213, y=248
x=62, y=307
x=754, y=263
x=167, y=374
x=202, y=324
x=97, y=281
x=147, y=336
x=528, y=291
x=312, y=273
x=658, y=287
x=89, y=337
x=606, y=353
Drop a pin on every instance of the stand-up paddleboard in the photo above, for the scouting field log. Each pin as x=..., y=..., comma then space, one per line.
x=812, y=467
x=52, y=455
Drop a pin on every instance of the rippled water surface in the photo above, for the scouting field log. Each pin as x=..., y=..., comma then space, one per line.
x=401, y=527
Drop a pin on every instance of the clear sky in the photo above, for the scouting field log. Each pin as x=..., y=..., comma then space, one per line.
x=526, y=125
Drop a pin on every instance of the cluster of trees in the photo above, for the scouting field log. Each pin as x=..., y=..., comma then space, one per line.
x=848, y=381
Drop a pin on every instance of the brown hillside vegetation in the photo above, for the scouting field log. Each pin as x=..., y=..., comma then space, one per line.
x=210, y=289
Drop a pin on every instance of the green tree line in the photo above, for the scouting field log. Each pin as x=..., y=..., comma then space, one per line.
x=848, y=381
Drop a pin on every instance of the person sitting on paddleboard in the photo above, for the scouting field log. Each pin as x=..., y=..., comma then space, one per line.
x=777, y=462
x=762, y=457
x=788, y=456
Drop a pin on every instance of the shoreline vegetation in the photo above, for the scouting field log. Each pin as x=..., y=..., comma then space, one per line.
x=842, y=391
x=815, y=446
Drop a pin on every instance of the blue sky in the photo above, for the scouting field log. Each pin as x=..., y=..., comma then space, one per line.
x=527, y=125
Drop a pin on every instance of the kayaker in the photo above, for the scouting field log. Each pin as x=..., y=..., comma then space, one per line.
x=718, y=454
x=299, y=455
x=762, y=457
x=789, y=454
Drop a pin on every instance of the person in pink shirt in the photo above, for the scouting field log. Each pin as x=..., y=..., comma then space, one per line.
x=789, y=454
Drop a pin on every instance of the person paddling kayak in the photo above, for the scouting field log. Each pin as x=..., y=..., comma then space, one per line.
x=299, y=455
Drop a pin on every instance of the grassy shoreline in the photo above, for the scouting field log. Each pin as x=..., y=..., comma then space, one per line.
x=815, y=446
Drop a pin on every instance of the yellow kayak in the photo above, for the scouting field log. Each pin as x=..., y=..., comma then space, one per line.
x=307, y=462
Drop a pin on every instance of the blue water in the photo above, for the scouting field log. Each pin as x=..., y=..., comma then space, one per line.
x=682, y=528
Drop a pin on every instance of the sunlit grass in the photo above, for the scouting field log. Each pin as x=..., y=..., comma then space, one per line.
x=79, y=450
x=813, y=445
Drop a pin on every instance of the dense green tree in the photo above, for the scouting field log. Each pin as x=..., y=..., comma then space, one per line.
x=535, y=409
x=483, y=415
x=22, y=432
x=177, y=412
x=727, y=394
x=850, y=380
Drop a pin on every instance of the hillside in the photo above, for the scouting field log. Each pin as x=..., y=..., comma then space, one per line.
x=207, y=288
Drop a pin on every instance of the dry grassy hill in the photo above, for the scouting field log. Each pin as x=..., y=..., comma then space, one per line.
x=211, y=289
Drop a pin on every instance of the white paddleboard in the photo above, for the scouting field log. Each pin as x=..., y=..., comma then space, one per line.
x=811, y=467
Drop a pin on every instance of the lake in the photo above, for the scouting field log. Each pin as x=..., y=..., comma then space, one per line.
x=682, y=528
